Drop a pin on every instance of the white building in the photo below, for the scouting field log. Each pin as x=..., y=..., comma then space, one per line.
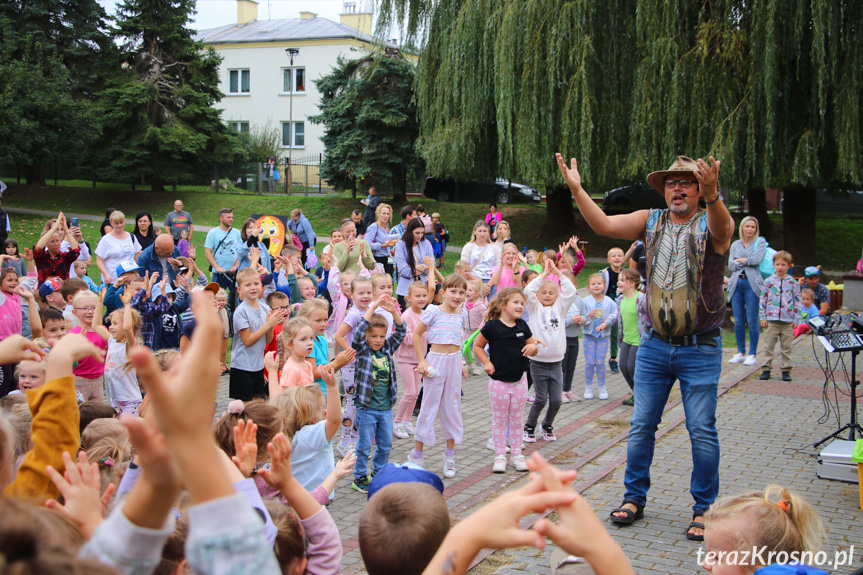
x=260, y=85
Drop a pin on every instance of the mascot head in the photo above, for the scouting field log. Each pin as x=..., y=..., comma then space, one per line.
x=273, y=228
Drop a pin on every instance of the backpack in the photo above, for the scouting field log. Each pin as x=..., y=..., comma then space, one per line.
x=427, y=222
x=766, y=265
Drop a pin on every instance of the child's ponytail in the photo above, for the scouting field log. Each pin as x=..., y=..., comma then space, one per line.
x=776, y=519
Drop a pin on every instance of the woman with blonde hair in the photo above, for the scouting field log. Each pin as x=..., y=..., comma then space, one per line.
x=116, y=247
x=377, y=234
x=744, y=287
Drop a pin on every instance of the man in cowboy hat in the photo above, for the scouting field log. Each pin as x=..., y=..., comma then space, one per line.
x=687, y=249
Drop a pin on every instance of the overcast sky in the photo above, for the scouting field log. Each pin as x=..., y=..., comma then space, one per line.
x=213, y=13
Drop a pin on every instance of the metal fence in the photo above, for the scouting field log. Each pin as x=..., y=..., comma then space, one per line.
x=305, y=177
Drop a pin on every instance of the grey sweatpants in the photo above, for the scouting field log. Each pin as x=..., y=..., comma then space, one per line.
x=547, y=387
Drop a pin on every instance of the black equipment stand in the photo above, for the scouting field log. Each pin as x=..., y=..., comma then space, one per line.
x=852, y=427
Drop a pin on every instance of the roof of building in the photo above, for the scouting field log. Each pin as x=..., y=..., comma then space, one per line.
x=286, y=29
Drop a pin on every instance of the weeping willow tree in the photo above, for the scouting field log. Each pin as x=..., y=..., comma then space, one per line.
x=770, y=87
x=798, y=126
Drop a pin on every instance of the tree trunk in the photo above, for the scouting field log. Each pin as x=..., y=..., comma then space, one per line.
x=559, y=215
x=799, y=224
x=35, y=175
x=400, y=189
x=157, y=184
x=758, y=209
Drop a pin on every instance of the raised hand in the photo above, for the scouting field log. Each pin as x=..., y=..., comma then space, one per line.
x=151, y=281
x=328, y=374
x=193, y=251
x=280, y=462
x=271, y=361
x=707, y=175
x=275, y=317
x=24, y=293
x=17, y=348
x=83, y=503
x=126, y=296
x=28, y=254
x=245, y=446
x=152, y=452
x=570, y=175
x=344, y=466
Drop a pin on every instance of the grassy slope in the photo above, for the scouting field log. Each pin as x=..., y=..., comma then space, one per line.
x=838, y=238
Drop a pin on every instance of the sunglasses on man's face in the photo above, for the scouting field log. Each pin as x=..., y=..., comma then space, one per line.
x=670, y=184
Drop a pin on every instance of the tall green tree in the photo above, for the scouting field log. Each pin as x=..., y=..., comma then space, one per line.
x=160, y=114
x=370, y=126
x=54, y=55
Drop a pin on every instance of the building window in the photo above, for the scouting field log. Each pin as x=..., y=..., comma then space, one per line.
x=299, y=135
x=240, y=127
x=238, y=81
x=293, y=80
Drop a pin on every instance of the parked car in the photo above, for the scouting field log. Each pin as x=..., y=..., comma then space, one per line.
x=631, y=198
x=500, y=191
x=839, y=201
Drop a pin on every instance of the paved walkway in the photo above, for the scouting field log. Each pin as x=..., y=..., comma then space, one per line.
x=766, y=431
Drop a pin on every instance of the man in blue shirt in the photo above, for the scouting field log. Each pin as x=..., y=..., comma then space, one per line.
x=157, y=258
x=220, y=247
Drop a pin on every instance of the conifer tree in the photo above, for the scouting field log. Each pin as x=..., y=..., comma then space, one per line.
x=53, y=57
x=370, y=125
x=160, y=114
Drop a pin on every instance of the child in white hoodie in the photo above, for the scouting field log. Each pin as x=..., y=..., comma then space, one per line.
x=548, y=306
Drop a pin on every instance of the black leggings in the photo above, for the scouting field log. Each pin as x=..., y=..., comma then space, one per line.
x=627, y=363
x=569, y=362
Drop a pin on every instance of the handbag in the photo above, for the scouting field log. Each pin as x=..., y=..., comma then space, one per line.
x=766, y=265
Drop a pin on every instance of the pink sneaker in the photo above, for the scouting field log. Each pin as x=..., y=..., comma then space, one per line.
x=529, y=399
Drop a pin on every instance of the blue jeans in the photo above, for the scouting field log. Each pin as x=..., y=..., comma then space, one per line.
x=657, y=366
x=378, y=425
x=744, y=304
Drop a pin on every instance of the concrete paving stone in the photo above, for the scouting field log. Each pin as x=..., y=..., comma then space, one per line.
x=757, y=423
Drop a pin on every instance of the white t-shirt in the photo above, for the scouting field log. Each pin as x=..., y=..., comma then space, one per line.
x=120, y=384
x=114, y=251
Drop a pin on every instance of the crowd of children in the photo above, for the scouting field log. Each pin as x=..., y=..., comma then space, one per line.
x=154, y=348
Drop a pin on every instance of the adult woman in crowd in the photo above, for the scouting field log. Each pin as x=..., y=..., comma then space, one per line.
x=481, y=253
x=744, y=287
x=115, y=247
x=300, y=226
x=348, y=251
x=249, y=233
x=411, y=250
x=105, y=228
x=144, y=232
x=493, y=217
x=501, y=233
x=377, y=234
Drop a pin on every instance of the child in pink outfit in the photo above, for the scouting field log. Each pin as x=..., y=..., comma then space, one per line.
x=407, y=360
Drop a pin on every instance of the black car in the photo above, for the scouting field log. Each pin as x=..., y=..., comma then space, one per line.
x=631, y=198
x=500, y=191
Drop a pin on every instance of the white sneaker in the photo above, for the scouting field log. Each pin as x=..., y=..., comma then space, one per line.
x=476, y=370
x=408, y=427
x=588, y=393
x=738, y=358
x=750, y=360
x=564, y=398
x=345, y=449
x=490, y=445
x=499, y=465
x=448, y=466
x=603, y=393
x=400, y=431
x=416, y=461
x=518, y=462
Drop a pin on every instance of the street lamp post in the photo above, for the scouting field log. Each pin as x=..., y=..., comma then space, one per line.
x=292, y=53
